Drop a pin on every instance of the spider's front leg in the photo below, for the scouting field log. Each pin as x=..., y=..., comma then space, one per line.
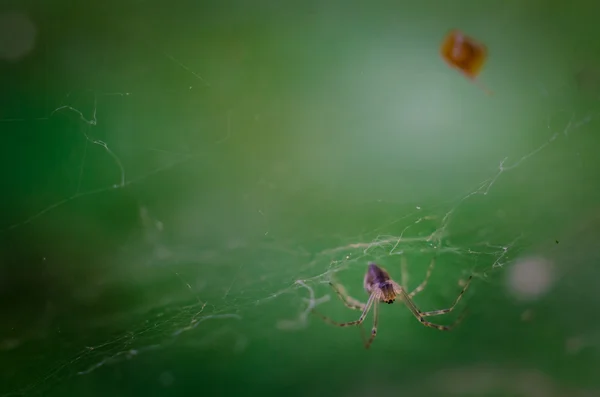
x=367, y=342
x=360, y=320
x=349, y=301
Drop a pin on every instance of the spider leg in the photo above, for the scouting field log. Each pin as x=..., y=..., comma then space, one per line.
x=422, y=286
x=421, y=315
x=366, y=341
x=403, y=273
x=349, y=301
x=349, y=323
x=448, y=310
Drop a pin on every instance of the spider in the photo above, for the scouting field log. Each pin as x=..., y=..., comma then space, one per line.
x=381, y=288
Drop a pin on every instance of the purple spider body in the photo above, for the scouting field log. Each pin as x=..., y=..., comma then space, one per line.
x=378, y=279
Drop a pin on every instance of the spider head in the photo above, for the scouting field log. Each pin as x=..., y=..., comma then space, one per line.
x=388, y=295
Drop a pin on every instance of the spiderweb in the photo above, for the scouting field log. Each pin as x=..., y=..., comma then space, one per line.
x=220, y=245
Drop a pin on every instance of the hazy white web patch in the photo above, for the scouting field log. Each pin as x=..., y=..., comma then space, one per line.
x=17, y=35
x=302, y=320
x=530, y=278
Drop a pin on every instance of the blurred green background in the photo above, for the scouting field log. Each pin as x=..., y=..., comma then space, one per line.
x=172, y=169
